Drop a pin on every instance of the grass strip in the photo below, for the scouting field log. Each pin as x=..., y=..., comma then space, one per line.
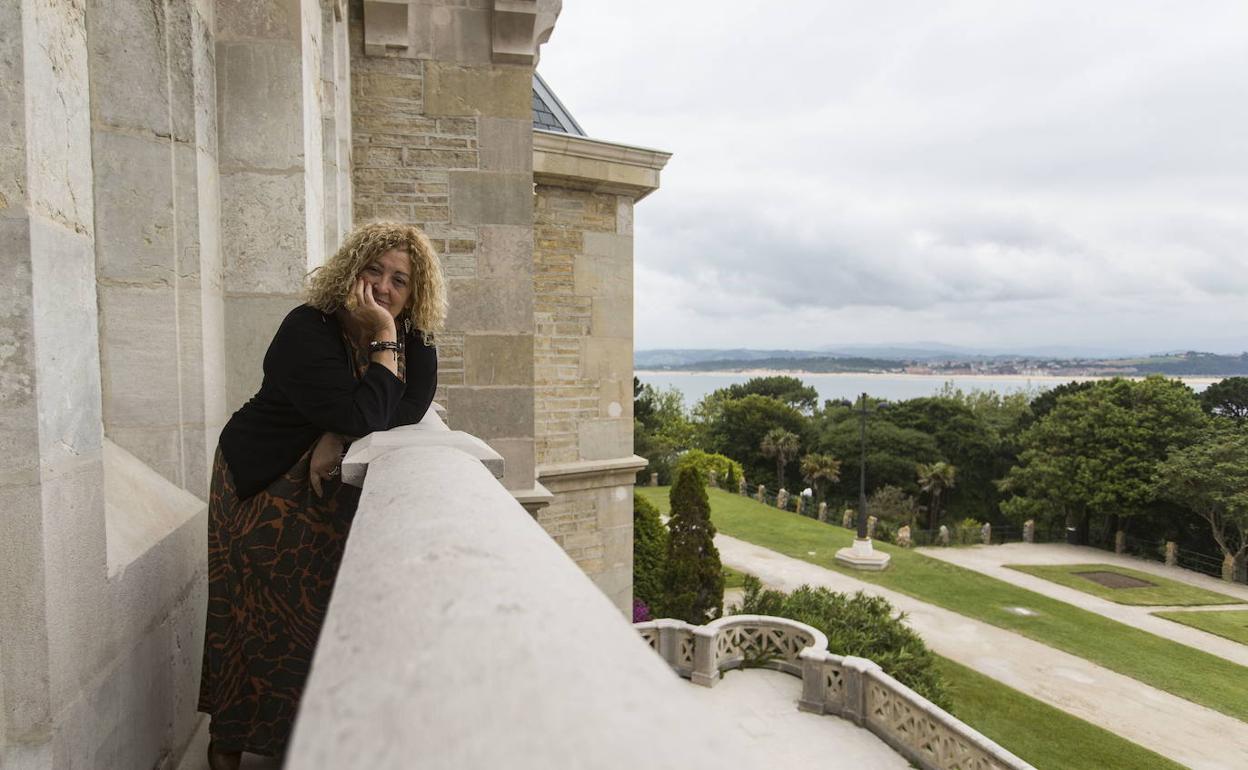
x=1037, y=732
x=1231, y=624
x=733, y=578
x=1175, y=668
x=1162, y=593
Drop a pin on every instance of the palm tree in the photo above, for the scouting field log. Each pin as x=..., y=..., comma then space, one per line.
x=782, y=445
x=934, y=479
x=818, y=468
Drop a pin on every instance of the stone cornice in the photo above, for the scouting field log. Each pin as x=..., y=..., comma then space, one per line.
x=592, y=164
x=519, y=27
x=591, y=474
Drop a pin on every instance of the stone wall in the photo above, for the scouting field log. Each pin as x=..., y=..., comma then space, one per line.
x=583, y=358
x=442, y=138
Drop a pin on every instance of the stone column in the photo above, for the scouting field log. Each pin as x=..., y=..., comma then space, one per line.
x=782, y=499
x=823, y=512
x=903, y=536
x=741, y=487
x=943, y=537
x=871, y=520
x=1172, y=553
x=153, y=110
x=985, y=534
x=1029, y=531
x=847, y=519
x=761, y=494
x=272, y=164
x=1120, y=542
x=654, y=479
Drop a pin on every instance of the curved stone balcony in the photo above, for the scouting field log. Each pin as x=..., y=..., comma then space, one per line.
x=853, y=688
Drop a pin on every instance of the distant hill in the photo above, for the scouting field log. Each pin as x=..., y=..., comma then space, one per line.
x=1189, y=363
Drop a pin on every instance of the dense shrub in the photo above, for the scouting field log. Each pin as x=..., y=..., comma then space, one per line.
x=967, y=532
x=726, y=469
x=693, y=586
x=858, y=625
x=649, y=551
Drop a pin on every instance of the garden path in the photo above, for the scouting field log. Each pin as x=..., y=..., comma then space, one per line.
x=1188, y=733
x=991, y=560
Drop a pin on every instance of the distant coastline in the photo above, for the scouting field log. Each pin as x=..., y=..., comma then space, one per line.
x=1204, y=380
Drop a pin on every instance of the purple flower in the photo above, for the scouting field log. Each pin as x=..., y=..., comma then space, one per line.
x=641, y=612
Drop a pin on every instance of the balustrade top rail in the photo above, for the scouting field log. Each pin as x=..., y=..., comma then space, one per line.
x=460, y=635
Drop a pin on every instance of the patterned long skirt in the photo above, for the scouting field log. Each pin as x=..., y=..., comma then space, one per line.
x=272, y=560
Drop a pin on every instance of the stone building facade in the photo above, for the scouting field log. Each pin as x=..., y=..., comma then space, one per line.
x=169, y=173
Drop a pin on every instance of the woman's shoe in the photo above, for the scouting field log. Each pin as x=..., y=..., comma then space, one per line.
x=223, y=760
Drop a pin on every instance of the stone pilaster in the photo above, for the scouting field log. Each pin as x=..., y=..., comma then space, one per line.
x=442, y=138
x=272, y=113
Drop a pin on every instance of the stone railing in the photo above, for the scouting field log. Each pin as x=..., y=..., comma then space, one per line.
x=460, y=635
x=844, y=686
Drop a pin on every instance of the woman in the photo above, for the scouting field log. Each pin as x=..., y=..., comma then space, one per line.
x=356, y=358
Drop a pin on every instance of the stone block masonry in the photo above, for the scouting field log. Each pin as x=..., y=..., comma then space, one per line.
x=442, y=138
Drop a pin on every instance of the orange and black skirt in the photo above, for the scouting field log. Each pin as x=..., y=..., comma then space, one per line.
x=272, y=560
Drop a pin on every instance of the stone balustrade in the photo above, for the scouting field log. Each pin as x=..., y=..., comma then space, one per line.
x=845, y=686
x=460, y=635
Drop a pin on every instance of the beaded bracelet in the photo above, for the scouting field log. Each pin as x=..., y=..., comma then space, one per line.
x=379, y=345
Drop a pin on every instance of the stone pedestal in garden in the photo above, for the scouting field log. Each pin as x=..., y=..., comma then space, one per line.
x=871, y=520
x=847, y=519
x=762, y=493
x=823, y=512
x=943, y=537
x=741, y=488
x=903, y=537
x=782, y=499
x=654, y=479
x=1172, y=553
x=985, y=534
x=712, y=479
x=801, y=503
x=1029, y=531
x=861, y=555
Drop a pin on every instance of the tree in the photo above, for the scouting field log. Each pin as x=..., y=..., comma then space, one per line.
x=894, y=506
x=693, y=588
x=661, y=430
x=934, y=479
x=785, y=389
x=892, y=452
x=1095, y=452
x=649, y=552
x=782, y=445
x=1210, y=478
x=964, y=439
x=818, y=470
x=739, y=425
x=1227, y=398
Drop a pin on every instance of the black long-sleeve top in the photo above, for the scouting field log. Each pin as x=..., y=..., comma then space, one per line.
x=310, y=387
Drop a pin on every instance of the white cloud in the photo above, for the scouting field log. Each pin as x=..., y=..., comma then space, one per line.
x=1027, y=173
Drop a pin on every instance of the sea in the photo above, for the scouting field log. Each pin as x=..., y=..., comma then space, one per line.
x=893, y=387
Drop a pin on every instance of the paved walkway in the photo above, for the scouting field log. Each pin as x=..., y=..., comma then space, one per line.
x=762, y=705
x=991, y=560
x=1188, y=733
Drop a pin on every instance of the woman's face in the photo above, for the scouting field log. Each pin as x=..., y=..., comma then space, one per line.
x=391, y=279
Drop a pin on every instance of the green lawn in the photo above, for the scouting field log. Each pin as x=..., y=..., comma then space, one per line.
x=1233, y=624
x=1163, y=591
x=733, y=578
x=1038, y=733
x=1176, y=668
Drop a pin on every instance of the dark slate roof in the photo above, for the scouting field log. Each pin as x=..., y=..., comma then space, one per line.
x=549, y=114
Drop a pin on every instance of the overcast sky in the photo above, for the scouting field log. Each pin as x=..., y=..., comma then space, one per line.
x=983, y=173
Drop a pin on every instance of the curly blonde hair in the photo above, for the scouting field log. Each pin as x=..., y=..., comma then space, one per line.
x=331, y=283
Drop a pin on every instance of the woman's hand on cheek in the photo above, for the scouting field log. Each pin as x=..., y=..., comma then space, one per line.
x=370, y=316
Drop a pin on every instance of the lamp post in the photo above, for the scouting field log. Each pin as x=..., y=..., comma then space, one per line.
x=861, y=555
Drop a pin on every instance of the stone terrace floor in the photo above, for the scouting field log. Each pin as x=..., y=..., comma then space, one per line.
x=762, y=705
